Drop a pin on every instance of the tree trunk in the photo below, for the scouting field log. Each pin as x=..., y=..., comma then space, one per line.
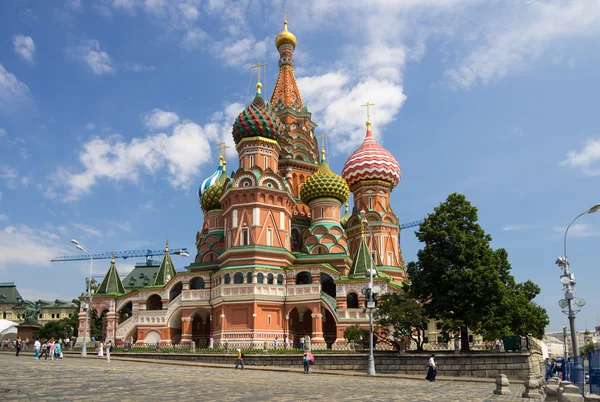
x=464, y=340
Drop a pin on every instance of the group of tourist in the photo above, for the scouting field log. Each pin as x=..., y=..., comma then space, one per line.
x=554, y=368
x=105, y=347
x=50, y=347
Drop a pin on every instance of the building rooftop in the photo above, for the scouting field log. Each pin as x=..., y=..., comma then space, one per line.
x=9, y=293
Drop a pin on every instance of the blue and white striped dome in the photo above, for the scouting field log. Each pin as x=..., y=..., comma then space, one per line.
x=212, y=179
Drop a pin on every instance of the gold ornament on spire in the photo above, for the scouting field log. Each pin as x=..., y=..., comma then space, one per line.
x=368, y=105
x=258, y=84
x=113, y=257
x=222, y=153
x=322, y=137
x=285, y=37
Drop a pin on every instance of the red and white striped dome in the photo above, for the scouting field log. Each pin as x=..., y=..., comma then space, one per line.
x=371, y=162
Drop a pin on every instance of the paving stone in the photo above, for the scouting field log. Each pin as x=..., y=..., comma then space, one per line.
x=93, y=379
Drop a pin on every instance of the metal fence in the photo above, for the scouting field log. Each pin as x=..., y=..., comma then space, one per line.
x=594, y=371
x=573, y=375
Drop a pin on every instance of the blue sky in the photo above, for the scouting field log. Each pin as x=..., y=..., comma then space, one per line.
x=110, y=112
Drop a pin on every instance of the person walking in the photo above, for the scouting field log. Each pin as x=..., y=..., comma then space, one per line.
x=109, y=348
x=101, y=350
x=44, y=350
x=211, y=343
x=18, y=344
x=51, y=348
x=36, y=346
x=275, y=344
x=240, y=360
x=306, y=362
x=302, y=343
x=432, y=369
x=58, y=349
x=549, y=369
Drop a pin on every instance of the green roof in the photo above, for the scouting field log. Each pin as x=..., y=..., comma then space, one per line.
x=140, y=277
x=56, y=304
x=166, y=271
x=362, y=261
x=9, y=293
x=111, y=282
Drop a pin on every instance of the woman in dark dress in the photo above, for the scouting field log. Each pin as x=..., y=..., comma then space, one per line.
x=432, y=369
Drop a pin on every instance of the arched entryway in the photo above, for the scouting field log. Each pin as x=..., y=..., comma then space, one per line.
x=200, y=328
x=175, y=291
x=303, y=278
x=327, y=284
x=300, y=323
x=329, y=328
x=154, y=302
x=125, y=312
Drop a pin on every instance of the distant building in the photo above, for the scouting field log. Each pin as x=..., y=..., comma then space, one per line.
x=556, y=347
x=11, y=306
x=582, y=339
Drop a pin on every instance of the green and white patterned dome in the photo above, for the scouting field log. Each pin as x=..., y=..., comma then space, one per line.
x=324, y=183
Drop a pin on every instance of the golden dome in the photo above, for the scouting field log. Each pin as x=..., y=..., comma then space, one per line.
x=285, y=37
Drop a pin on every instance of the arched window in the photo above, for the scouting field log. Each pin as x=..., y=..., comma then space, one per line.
x=238, y=278
x=227, y=279
x=303, y=278
x=154, y=302
x=249, y=277
x=280, y=279
x=175, y=291
x=327, y=284
x=352, y=300
x=296, y=244
x=197, y=283
x=270, y=279
x=260, y=278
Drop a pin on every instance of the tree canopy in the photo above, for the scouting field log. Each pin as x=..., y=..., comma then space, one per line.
x=464, y=282
x=400, y=316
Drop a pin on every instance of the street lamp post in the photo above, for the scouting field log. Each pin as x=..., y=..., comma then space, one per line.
x=86, y=306
x=568, y=280
x=565, y=340
x=370, y=301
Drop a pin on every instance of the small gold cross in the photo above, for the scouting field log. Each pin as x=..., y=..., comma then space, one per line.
x=258, y=65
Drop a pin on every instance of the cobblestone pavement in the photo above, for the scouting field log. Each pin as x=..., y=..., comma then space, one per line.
x=75, y=379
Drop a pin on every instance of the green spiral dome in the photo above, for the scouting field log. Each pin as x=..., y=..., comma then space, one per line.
x=257, y=120
x=324, y=183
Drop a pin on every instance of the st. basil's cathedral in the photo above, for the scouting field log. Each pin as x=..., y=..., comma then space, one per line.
x=275, y=257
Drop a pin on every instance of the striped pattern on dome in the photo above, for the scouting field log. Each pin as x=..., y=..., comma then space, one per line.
x=324, y=183
x=371, y=161
x=256, y=120
x=212, y=195
x=209, y=181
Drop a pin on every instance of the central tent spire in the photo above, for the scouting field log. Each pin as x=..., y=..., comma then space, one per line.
x=286, y=93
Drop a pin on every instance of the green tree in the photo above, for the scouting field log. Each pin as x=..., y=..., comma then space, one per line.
x=464, y=282
x=400, y=316
x=356, y=334
x=587, y=348
x=57, y=329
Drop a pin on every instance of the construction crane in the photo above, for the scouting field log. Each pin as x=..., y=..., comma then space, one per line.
x=410, y=224
x=124, y=254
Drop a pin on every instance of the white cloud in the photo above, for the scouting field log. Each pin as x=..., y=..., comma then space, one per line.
x=159, y=119
x=588, y=159
x=88, y=230
x=2, y=132
x=35, y=294
x=578, y=230
x=22, y=245
x=74, y=5
x=521, y=34
x=3, y=217
x=24, y=47
x=241, y=52
x=89, y=126
x=13, y=93
x=138, y=68
x=517, y=228
x=193, y=38
x=0, y=195
x=97, y=60
x=125, y=226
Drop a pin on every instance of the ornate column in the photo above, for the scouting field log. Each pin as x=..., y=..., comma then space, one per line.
x=111, y=321
x=317, y=326
x=186, y=330
x=81, y=326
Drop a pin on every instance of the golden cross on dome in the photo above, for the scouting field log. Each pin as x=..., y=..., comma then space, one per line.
x=258, y=65
x=284, y=11
x=222, y=151
x=368, y=105
x=322, y=137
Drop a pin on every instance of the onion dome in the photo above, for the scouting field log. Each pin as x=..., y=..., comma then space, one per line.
x=212, y=187
x=257, y=120
x=285, y=37
x=371, y=161
x=324, y=183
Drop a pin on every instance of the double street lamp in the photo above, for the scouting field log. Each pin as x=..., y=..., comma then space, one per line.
x=86, y=304
x=370, y=299
x=568, y=281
